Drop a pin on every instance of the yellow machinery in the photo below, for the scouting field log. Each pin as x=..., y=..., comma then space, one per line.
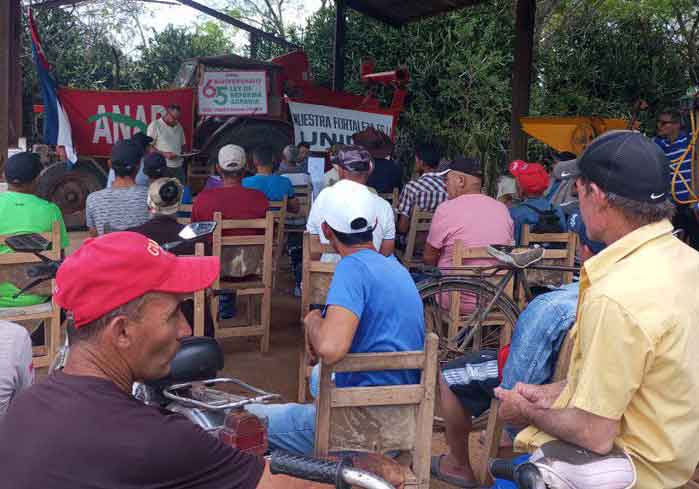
x=569, y=134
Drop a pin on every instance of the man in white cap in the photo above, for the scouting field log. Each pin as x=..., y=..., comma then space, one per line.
x=372, y=306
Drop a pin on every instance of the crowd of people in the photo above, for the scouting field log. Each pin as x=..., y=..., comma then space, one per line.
x=631, y=316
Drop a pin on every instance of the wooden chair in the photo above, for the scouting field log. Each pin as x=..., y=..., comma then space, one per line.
x=316, y=282
x=199, y=300
x=380, y=419
x=198, y=171
x=13, y=268
x=494, y=423
x=563, y=256
x=257, y=286
x=185, y=209
x=304, y=195
x=278, y=210
x=392, y=198
x=420, y=222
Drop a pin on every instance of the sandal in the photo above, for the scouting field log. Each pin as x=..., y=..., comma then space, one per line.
x=454, y=480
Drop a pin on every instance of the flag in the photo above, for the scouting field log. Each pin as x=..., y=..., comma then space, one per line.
x=56, y=124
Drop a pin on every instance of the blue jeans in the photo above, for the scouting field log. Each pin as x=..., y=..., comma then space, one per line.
x=291, y=427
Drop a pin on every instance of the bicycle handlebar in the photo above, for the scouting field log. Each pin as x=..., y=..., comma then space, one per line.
x=340, y=473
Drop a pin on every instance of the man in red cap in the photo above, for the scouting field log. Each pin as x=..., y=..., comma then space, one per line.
x=123, y=291
x=532, y=181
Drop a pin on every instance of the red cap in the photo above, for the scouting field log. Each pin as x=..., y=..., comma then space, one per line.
x=532, y=178
x=114, y=269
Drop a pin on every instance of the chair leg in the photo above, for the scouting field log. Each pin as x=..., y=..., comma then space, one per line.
x=266, y=318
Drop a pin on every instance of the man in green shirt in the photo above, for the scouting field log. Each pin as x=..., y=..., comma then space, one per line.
x=23, y=212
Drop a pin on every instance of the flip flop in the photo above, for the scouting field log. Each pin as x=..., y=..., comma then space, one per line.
x=454, y=480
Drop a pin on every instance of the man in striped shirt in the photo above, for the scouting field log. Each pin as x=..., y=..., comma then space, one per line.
x=674, y=143
x=427, y=191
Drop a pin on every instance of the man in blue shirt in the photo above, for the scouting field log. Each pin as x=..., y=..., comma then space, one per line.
x=467, y=383
x=532, y=181
x=275, y=187
x=675, y=144
x=372, y=306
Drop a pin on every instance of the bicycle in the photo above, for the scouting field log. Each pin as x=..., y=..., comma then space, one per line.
x=489, y=311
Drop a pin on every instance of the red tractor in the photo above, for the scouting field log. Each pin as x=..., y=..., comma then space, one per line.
x=289, y=86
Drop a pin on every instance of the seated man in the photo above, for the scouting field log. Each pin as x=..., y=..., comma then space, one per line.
x=425, y=192
x=155, y=167
x=635, y=362
x=536, y=342
x=142, y=178
x=292, y=162
x=532, y=181
x=123, y=205
x=82, y=422
x=275, y=187
x=372, y=306
x=387, y=174
x=233, y=201
x=354, y=165
x=16, y=367
x=23, y=212
x=468, y=215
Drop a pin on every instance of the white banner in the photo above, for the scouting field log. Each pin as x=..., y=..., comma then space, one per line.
x=233, y=93
x=322, y=126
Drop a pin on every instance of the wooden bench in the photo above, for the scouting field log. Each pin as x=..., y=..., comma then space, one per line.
x=13, y=268
x=259, y=286
x=380, y=419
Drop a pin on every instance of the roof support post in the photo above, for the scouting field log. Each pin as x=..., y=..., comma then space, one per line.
x=339, y=52
x=522, y=75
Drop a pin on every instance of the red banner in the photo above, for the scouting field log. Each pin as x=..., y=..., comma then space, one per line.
x=99, y=118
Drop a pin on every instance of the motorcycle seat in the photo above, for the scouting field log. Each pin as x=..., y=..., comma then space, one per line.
x=199, y=358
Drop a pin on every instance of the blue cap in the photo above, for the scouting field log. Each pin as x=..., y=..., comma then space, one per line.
x=576, y=225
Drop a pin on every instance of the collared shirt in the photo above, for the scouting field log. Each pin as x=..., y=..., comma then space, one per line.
x=427, y=192
x=635, y=356
x=673, y=151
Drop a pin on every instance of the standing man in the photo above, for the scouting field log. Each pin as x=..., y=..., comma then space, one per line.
x=427, y=191
x=675, y=142
x=168, y=140
x=634, y=366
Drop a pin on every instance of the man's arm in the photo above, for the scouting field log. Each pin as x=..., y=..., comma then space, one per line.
x=430, y=255
x=404, y=208
x=331, y=337
x=24, y=363
x=388, y=246
x=403, y=224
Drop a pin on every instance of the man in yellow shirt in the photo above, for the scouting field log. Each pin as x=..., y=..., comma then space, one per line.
x=634, y=369
x=169, y=140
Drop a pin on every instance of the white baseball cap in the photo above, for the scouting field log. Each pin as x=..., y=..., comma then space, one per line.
x=349, y=208
x=231, y=157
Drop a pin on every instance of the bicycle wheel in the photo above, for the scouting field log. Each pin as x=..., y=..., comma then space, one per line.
x=455, y=309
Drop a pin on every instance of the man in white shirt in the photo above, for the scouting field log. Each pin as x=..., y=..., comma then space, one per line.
x=16, y=368
x=168, y=139
x=353, y=165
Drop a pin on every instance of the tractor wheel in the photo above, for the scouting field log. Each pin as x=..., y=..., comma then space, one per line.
x=68, y=188
x=251, y=133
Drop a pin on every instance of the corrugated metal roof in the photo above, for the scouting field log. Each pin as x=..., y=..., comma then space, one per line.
x=400, y=12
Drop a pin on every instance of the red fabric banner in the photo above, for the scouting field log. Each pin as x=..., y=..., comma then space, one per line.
x=99, y=118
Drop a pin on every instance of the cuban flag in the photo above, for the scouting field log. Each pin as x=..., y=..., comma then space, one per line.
x=56, y=124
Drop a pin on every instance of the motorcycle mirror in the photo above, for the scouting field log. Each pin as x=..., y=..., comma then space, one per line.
x=197, y=230
x=28, y=243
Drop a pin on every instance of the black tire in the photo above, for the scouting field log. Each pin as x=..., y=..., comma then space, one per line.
x=69, y=187
x=251, y=133
x=489, y=335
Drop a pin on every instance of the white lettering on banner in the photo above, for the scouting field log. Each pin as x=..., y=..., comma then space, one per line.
x=322, y=126
x=233, y=93
x=116, y=131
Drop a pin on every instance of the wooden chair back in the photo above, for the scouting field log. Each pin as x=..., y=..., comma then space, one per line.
x=304, y=196
x=420, y=222
x=187, y=210
x=380, y=419
x=392, y=198
x=197, y=173
x=13, y=268
x=316, y=283
x=258, y=286
x=199, y=299
x=563, y=256
x=278, y=210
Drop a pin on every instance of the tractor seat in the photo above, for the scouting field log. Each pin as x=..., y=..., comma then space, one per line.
x=199, y=358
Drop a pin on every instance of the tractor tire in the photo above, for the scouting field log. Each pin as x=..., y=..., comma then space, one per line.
x=68, y=188
x=251, y=133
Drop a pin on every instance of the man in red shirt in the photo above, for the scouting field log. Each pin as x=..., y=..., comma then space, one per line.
x=233, y=201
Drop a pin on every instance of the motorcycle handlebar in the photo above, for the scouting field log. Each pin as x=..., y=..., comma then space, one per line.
x=340, y=473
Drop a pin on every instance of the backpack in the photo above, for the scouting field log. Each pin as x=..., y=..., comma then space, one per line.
x=548, y=221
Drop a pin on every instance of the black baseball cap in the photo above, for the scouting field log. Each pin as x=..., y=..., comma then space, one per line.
x=154, y=165
x=463, y=164
x=126, y=154
x=22, y=168
x=625, y=163
x=142, y=139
